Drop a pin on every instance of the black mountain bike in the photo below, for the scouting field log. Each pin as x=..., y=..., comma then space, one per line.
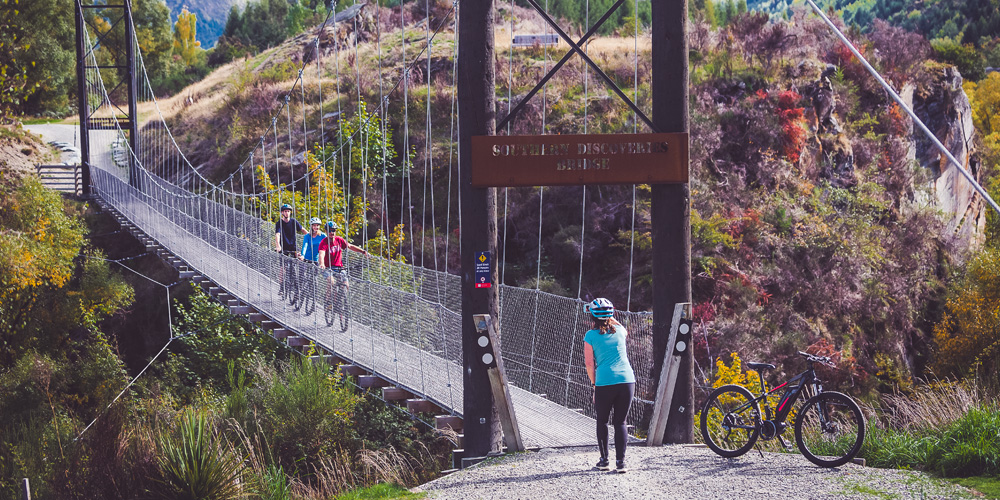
x=336, y=309
x=829, y=427
x=289, y=280
x=307, y=288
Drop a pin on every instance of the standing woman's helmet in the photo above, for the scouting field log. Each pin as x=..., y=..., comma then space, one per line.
x=315, y=220
x=601, y=308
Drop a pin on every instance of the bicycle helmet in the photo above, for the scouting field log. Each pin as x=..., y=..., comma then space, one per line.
x=331, y=226
x=286, y=206
x=601, y=308
x=315, y=220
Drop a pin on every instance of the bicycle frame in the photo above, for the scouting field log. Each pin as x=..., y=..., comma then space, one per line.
x=803, y=382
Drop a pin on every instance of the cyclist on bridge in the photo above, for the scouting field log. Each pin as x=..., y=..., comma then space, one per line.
x=312, y=241
x=284, y=238
x=284, y=232
x=611, y=376
x=331, y=256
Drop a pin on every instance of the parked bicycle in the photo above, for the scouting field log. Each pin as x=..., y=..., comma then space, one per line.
x=829, y=427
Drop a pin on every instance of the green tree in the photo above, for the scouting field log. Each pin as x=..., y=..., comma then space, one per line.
x=50, y=35
x=966, y=57
x=45, y=292
x=14, y=64
x=185, y=31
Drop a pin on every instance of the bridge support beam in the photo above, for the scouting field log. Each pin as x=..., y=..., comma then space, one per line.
x=671, y=209
x=81, y=94
x=477, y=107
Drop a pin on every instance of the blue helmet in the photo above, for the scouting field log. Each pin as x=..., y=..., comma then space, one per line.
x=286, y=206
x=601, y=308
x=331, y=226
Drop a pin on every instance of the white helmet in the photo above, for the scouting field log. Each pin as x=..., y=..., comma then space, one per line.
x=315, y=220
x=601, y=308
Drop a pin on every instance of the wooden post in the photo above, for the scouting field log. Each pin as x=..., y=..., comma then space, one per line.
x=498, y=382
x=25, y=489
x=668, y=380
x=671, y=206
x=477, y=109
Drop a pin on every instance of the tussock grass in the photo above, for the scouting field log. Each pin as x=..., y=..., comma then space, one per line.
x=945, y=428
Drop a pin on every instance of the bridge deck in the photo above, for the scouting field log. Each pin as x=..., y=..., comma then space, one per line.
x=429, y=374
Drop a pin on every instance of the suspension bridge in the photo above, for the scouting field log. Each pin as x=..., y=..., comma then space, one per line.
x=405, y=334
x=405, y=331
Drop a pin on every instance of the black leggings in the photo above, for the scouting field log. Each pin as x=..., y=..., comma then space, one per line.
x=618, y=397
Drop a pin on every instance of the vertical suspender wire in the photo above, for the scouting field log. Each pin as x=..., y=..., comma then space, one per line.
x=366, y=143
x=350, y=157
x=428, y=172
x=583, y=224
x=510, y=98
x=635, y=130
x=326, y=215
x=541, y=193
x=451, y=150
x=407, y=200
x=291, y=164
x=408, y=183
x=305, y=149
x=429, y=152
x=344, y=181
x=538, y=280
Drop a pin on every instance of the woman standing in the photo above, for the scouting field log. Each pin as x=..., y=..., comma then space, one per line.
x=611, y=376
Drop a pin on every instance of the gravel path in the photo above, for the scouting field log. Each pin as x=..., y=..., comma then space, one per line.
x=680, y=472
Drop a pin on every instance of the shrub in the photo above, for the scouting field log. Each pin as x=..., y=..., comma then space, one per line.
x=306, y=413
x=197, y=463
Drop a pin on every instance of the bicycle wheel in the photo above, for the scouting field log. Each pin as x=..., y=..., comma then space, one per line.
x=328, y=311
x=295, y=294
x=730, y=421
x=830, y=429
x=342, y=309
x=309, y=293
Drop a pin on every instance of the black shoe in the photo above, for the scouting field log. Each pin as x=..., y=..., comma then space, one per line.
x=603, y=464
x=620, y=467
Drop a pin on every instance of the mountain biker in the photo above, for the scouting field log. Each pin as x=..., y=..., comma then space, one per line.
x=611, y=376
x=284, y=232
x=312, y=241
x=284, y=239
x=331, y=256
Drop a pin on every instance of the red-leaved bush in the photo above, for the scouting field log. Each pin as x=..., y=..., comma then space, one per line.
x=793, y=125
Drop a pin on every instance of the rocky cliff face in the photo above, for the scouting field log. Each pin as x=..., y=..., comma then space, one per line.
x=944, y=108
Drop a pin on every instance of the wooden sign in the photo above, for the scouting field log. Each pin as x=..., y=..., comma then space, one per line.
x=565, y=160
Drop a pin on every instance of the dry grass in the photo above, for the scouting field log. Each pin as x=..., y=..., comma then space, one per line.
x=931, y=406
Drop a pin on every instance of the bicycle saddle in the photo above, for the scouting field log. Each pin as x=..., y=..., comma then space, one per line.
x=760, y=366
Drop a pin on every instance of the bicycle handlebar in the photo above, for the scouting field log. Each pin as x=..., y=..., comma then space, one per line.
x=812, y=358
